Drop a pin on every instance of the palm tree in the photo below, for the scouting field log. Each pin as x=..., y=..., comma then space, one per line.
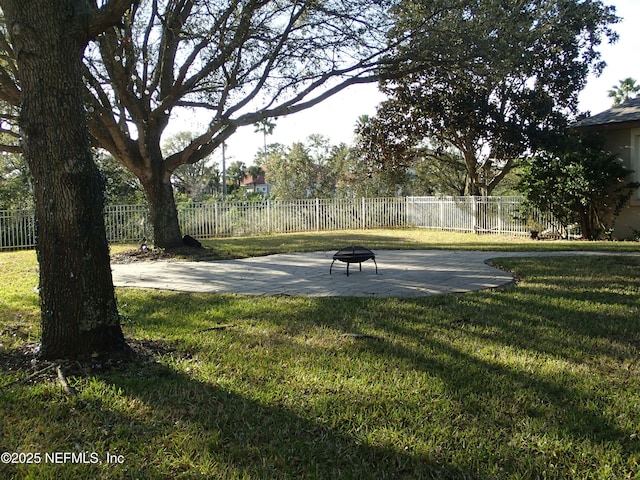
x=266, y=126
x=237, y=171
x=254, y=171
x=363, y=123
x=625, y=90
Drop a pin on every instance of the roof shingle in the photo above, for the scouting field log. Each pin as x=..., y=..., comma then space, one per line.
x=628, y=111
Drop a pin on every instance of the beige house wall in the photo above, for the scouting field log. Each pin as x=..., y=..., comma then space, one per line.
x=624, y=140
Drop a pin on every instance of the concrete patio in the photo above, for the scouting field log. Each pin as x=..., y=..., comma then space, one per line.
x=401, y=273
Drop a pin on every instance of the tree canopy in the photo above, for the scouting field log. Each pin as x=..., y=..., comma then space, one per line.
x=625, y=90
x=509, y=74
x=310, y=169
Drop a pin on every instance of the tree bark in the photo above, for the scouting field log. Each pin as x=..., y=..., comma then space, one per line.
x=79, y=313
x=162, y=209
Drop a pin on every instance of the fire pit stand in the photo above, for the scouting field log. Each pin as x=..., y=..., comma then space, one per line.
x=353, y=254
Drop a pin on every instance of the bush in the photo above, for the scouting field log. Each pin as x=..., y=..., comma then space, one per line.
x=581, y=182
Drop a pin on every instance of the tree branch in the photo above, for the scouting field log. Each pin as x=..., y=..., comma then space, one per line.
x=10, y=148
x=107, y=16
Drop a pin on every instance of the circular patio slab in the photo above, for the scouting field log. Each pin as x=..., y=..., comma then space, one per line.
x=401, y=273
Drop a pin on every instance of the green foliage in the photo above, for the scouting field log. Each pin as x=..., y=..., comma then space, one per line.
x=310, y=169
x=380, y=163
x=291, y=175
x=266, y=126
x=490, y=79
x=625, y=90
x=581, y=183
x=236, y=172
x=192, y=181
x=16, y=186
x=121, y=186
x=442, y=173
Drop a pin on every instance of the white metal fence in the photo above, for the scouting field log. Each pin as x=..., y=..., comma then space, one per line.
x=500, y=215
x=130, y=223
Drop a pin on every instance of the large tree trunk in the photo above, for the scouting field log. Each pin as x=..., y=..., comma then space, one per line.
x=163, y=212
x=158, y=189
x=79, y=313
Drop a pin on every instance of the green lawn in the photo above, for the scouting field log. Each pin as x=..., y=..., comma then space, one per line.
x=540, y=380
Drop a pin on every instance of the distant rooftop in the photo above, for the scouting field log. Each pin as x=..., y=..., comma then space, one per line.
x=628, y=111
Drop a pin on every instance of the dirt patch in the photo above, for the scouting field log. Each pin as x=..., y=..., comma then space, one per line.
x=137, y=255
x=192, y=254
x=23, y=360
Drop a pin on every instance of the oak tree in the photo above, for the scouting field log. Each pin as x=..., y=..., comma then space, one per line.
x=233, y=63
x=47, y=42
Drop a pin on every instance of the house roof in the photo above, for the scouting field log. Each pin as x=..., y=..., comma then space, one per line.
x=628, y=111
x=248, y=180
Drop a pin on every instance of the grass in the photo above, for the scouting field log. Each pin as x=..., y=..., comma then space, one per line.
x=540, y=380
x=400, y=239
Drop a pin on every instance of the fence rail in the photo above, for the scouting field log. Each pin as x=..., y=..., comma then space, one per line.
x=130, y=223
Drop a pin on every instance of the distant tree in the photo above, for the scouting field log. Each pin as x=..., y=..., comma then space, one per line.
x=510, y=75
x=198, y=181
x=625, y=90
x=324, y=158
x=291, y=173
x=121, y=186
x=194, y=181
x=579, y=182
x=16, y=185
x=9, y=113
x=313, y=168
x=255, y=171
x=237, y=172
x=339, y=162
x=265, y=126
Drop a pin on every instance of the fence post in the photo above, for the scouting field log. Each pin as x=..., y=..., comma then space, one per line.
x=474, y=213
x=268, y=215
x=317, y=214
x=364, y=214
x=406, y=220
x=215, y=218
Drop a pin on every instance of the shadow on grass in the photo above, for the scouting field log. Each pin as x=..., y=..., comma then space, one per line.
x=248, y=439
x=573, y=309
x=192, y=429
x=523, y=413
x=493, y=384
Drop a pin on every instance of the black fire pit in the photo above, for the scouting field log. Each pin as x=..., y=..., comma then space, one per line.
x=353, y=254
